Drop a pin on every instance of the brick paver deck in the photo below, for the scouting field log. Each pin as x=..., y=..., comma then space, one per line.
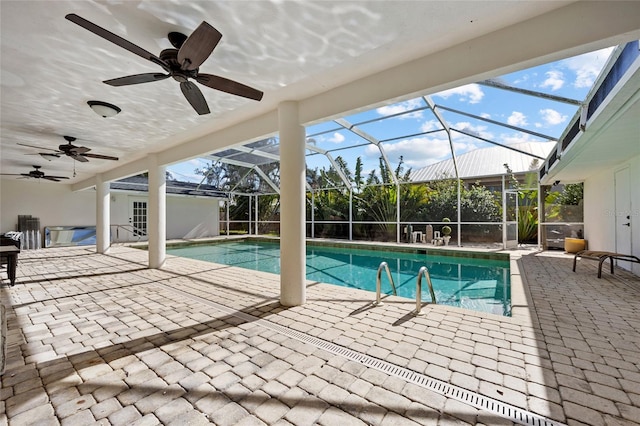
x=101, y=339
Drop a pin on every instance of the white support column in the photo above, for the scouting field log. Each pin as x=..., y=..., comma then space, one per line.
x=292, y=206
x=103, y=217
x=157, y=214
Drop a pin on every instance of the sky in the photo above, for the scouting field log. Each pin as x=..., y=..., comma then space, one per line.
x=410, y=130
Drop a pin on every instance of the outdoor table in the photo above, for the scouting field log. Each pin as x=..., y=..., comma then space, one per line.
x=11, y=253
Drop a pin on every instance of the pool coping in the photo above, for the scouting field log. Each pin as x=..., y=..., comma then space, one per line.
x=520, y=295
x=452, y=251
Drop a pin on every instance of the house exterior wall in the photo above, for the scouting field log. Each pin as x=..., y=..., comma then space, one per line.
x=187, y=217
x=599, y=209
x=56, y=205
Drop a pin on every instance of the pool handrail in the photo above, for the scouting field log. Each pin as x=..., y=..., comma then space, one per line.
x=384, y=265
x=424, y=271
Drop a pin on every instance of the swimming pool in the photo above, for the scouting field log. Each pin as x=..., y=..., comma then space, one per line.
x=471, y=283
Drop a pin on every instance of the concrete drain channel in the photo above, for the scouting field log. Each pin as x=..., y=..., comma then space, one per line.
x=504, y=410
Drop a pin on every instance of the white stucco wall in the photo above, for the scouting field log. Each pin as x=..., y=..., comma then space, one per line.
x=185, y=215
x=57, y=205
x=599, y=209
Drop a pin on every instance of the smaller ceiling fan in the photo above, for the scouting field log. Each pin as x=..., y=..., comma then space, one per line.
x=79, y=153
x=36, y=174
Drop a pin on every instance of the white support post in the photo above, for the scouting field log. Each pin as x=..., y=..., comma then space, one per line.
x=504, y=213
x=103, y=217
x=350, y=214
x=292, y=206
x=249, y=216
x=398, y=234
x=313, y=215
x=157, y=214
x=257, y=213
x=227, y=214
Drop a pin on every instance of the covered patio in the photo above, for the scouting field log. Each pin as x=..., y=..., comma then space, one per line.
x=102, y=338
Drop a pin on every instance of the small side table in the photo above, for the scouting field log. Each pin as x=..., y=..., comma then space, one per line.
x=11, y=253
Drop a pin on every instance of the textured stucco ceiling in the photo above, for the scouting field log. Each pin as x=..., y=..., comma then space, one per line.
x=291, y=50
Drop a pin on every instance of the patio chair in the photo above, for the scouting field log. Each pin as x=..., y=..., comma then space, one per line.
x=601, y=256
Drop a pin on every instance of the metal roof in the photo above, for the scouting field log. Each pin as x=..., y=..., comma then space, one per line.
x=488, y=162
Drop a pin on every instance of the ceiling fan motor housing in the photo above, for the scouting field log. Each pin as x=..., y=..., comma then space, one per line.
x=170, y=56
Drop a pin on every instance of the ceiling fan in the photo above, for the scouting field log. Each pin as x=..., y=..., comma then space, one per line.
x=182, y=63
x=78, y=153
x=36, y=174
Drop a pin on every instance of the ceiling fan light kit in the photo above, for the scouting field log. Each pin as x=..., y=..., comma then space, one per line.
x=180, y=63
x=104, y=109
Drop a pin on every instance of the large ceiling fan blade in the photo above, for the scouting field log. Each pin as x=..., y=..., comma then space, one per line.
x=115, y=39
x=136, y=79
x=53, y=178
x=195, y=97
x=101, y=157
x=36, y=147
x=198, y=46
x=229, y=86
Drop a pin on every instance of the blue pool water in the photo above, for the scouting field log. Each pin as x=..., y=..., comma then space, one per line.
x=471, y=283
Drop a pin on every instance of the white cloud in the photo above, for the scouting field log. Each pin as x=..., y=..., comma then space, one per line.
x=469, y=128
x=416, y=152
x=430, y=125
x=522, y=79
x=424, y=151
x=402, y=107
x=336, y=138
x=471, y=93
x=555, y=80
x=517, y=119
x=515, y=138
x=552, y=117
x=587, y=66
x=185, y=171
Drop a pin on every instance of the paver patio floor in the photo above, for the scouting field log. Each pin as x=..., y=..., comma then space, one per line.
x=101, y=339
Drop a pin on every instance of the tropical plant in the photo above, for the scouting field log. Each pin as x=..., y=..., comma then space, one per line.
x=572, y=194
x=527, y=205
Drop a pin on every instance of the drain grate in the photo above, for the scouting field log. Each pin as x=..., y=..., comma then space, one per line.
x=510, y=412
